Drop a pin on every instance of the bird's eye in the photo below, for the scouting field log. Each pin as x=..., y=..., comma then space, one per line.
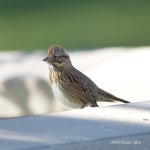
x=55, y=56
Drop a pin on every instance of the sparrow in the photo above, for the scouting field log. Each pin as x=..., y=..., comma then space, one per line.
x=70, y=86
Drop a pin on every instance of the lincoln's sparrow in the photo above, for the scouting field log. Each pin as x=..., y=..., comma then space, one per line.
x=70, y=86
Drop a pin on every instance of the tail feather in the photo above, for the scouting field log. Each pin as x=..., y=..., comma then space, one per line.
x=116, y=99
x=120, y=100
x=107, y=97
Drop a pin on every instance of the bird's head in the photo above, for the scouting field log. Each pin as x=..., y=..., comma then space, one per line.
x=57, y=57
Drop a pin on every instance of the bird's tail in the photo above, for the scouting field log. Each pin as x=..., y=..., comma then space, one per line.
x=107, y=97
x=114, y=98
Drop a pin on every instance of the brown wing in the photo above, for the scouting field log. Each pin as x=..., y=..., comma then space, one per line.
x=79, y=86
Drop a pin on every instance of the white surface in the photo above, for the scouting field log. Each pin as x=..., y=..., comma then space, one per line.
x=114, y=127
x=25, y=87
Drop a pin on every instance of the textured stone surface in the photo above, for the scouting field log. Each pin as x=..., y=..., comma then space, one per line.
x=108, y=128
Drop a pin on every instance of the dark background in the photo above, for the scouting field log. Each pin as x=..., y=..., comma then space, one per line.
x=74, y=24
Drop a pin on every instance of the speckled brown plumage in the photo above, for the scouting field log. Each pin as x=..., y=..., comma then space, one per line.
x=70, y=85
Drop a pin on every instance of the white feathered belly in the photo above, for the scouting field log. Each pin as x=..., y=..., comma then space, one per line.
x=60, y=96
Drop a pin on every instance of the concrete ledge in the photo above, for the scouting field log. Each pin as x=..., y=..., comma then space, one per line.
x=113, y=127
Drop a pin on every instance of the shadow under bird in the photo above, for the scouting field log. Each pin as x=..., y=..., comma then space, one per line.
x=73, y=88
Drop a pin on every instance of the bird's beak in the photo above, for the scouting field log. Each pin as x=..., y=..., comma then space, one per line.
x=45, y=59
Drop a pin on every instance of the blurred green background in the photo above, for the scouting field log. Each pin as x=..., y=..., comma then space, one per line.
x=74, y=24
